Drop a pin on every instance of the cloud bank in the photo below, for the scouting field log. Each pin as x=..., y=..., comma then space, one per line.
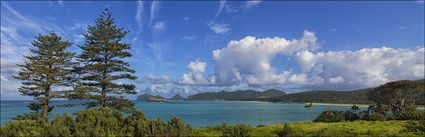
x=247, y=64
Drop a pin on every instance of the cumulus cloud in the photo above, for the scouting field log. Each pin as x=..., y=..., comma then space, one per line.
x=366, y=67
x=249, y=59
x=195, y=76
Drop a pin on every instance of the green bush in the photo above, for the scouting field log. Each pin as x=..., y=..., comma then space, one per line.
x=157, y=128
x=286, y=132
x=376, y=117
x=239, y=130
x=98, y=122
x=331, y=116
x=136, y=125
x=177, y=128
x=412, y=115
x=24, y=128
x=417, y=127
x=61, y=126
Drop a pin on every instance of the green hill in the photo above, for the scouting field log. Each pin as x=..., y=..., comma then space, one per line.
x=353, y=96
x=148, y=97
x=176, y=97
x=245, y=95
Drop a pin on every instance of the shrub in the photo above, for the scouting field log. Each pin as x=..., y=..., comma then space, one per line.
x=239, y=130
x=61, y=126
x=24, y=128
x=286, y=132
x=177, y=128
x=351, y=115
x=412, y=115
x=417, y=127
x=330, y=116
x=376, y=117
x=261, y=125
x=98, y=122
x=136, y=125
x=157, y=128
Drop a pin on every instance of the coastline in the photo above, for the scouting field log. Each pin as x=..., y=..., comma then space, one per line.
x=347, y=105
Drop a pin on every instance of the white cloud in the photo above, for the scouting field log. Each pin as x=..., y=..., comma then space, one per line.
x=251, y=3
x=229, y=9
x=219, y=28
x=186, y=18
x=188, y=37
x=249, y=59
x=139, y=14
x=154, y=10
x=222, y=3
x=363, y=68
x=159, y=25
x=195, y=76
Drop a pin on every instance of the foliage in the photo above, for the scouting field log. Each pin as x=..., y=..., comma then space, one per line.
x=308, y=106
x=417, y=127
x=398, y=96
x=102, y=63
x=48, y=68
x=238, y=95
x=98, y=122
x=411, y=115
x=331, y=116
x=309, y=129
x=354, y=96
x=286, y=132
x=376, y=117
x=24, y=128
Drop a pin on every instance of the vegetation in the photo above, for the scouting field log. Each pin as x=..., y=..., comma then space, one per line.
x=102, y=65
x=46, y=72
x=397, y=96
x=97, y=122
x=245, y=95
x=310, y=129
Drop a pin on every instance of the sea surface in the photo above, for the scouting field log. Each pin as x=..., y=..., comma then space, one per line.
x=198, y=113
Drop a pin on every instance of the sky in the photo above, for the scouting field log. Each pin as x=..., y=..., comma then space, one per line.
x=208, y=46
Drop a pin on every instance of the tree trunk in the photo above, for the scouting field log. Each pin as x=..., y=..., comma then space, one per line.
x=46, y=103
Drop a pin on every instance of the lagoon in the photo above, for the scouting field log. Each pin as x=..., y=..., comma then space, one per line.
x=198, y=113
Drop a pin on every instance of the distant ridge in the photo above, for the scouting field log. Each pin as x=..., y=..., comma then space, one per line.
x=243, y=95
x=176, y=97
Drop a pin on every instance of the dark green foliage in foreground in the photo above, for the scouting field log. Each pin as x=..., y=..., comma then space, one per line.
x=313, y=129
x=417, y=127
x=48, y=68
x=103, y=64
x=97, y=122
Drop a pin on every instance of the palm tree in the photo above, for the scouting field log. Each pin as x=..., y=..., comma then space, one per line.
x=355, y=108
x=308, y=106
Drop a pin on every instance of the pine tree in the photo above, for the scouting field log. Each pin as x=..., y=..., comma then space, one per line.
x=103, y=64
x=46, y=73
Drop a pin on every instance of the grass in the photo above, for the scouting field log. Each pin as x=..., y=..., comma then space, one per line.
x=356, y=128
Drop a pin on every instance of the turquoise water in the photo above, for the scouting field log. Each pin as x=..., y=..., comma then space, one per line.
x=199, y=113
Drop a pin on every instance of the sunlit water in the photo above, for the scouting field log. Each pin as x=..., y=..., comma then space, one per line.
x=199, y=113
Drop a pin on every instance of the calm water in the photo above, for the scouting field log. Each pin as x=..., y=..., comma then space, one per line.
x=200, y=113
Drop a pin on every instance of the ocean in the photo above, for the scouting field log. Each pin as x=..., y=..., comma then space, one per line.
x=198, y=113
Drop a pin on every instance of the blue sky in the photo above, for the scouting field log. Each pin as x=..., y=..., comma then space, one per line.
x=184, y=47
